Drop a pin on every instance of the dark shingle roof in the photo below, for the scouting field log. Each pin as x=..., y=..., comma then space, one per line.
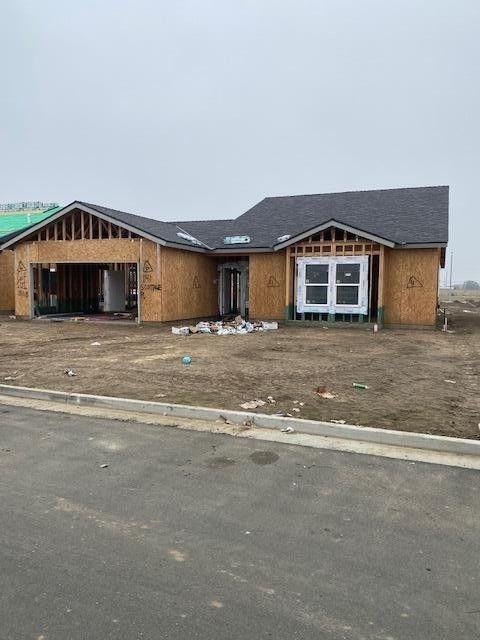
x=413, y=215
x=167, y=231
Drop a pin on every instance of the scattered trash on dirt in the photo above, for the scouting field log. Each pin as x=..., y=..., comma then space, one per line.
x=323, y=392
x=451, y=381
x=14, y=376
x=103, y=466
x=288, y=430
x=360, y=385
x=70, y=372
x=95, y=344
x=248, y=423
x=338, y=421
x=375, y=328
x=271, y=400
x=187, y=360
x=179, y=331
x=253, y=404
x=222, y=328
x=296, y=409
x=12, y=317
x=225, y=420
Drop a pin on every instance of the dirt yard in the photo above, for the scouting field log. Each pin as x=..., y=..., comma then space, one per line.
x=424, y=381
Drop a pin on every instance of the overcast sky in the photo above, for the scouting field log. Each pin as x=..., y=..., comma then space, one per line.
x=200, y=108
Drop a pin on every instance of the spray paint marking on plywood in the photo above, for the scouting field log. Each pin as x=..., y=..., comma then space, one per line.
x=196, y=282
x=147, y=267
x=273, y=282
x=414, y=282
x=21, y=280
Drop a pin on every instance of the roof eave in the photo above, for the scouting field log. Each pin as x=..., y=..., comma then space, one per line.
x=421, y=245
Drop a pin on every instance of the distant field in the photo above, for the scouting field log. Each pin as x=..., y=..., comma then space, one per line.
x=459, y=294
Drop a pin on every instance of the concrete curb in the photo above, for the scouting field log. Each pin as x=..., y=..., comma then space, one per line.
x=327, y=429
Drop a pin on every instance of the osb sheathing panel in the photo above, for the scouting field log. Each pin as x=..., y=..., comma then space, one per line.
x=267, y=285
x=151, y=293
x=189, y=284
x=7, y=280
x=411, y=286
x=22, y=281
x=112, y=250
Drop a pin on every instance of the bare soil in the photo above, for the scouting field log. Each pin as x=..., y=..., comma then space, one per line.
x=407, y=372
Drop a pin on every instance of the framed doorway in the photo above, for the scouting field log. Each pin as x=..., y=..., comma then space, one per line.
x=233, y=288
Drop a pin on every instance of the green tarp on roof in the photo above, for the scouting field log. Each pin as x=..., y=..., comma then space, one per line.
x=16, y=220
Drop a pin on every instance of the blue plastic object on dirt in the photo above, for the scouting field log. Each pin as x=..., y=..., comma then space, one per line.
x=186, y=359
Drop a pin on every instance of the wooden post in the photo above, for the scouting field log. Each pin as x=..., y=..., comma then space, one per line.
x=287, y=284
x=381, y=274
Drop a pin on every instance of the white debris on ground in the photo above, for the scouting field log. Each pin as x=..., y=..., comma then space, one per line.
x=253, y=404
x=223, y=328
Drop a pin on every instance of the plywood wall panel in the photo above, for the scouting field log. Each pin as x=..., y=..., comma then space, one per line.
x=151, y=293
x=22, y=281
x=7, y=280
x=189, y=284
x=267, y=285
x=411, y=286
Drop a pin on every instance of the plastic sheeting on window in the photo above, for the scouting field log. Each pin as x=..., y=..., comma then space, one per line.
x=349, y=286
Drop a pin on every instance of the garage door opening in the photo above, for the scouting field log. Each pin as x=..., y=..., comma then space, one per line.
x=103, y=291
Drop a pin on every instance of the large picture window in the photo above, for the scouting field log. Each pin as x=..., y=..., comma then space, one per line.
x=333, y=284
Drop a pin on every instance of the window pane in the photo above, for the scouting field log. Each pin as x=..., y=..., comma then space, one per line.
x=347, y=295
x=316, y=295
x=316, y=274
x=348, y=274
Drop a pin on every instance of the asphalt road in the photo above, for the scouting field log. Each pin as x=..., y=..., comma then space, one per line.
x=193, y=535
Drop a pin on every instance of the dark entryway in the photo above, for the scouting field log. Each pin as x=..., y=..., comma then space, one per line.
x=233, y=287
x=84, y=288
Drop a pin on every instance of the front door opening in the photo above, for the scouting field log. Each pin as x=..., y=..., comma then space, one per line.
x=233, y=288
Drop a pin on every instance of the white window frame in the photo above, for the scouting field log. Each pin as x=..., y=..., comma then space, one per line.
x=332, y=306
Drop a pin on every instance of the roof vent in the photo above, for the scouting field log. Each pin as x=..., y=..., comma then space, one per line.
x=236, y=240
x=284, y=238
x=187, y=236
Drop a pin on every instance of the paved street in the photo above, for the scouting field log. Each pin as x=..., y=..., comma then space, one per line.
x=193, y=535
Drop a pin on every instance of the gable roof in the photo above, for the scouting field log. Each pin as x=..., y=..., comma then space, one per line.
x=399, y=216
x=167, y=233
x=413, y=216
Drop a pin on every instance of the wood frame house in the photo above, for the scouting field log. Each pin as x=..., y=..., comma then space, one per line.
x=356, y=257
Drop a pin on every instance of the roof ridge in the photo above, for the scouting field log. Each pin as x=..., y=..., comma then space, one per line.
x=337, y=193
x=209, y=220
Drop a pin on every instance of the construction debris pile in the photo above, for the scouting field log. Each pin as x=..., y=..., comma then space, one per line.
x=222, y=328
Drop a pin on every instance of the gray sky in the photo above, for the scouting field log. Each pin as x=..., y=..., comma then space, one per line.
x=200, y=108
